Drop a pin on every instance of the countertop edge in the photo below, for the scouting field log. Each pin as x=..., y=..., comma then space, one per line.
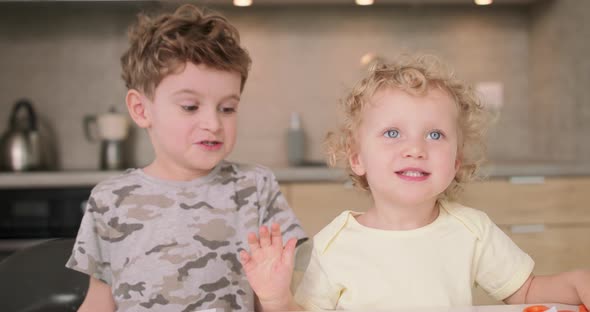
x=83, y=178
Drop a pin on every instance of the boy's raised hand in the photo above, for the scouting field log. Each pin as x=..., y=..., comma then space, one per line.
x=269, y=267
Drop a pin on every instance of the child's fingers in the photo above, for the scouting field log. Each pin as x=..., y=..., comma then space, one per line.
x=264, y=237
x=244, y=257
x=276, y=237
x=253, y=242
x=289, y=252
x=245, y=260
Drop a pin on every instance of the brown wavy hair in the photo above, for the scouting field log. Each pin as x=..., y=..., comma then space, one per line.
x=164, y=44
x=414, y=75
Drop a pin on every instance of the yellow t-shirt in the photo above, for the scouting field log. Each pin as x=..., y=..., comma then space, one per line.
x=353, y=267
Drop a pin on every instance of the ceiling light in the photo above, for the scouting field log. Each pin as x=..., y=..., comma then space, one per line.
x=364, y=2
x=483, y=2
x=242, y=3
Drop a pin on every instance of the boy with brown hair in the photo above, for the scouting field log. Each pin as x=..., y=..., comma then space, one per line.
x=166, y=237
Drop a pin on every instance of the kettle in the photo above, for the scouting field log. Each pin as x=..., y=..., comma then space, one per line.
x=21, y=144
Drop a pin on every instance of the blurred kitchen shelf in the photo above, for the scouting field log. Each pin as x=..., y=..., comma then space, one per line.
x=309, y=174
x=77, y=178
x=535, y=169
x=51, y=179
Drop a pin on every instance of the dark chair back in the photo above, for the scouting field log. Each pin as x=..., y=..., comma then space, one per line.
x=35, y=279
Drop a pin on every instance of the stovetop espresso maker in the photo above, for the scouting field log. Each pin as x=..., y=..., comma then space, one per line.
x=111, y=129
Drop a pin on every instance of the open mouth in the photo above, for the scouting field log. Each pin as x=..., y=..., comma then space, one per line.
x=413, y=173
x=210, y=145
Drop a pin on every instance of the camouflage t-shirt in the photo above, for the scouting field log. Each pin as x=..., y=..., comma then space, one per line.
x=173, y=246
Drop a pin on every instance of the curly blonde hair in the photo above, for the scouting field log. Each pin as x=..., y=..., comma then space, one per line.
x=414, y=75
x=161, y=45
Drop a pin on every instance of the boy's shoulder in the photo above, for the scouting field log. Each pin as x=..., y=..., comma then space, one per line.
x=134, y=183
x=109, y=192
x=243, y=169
x=128, y=178
x=227, y=172
x=241, y=172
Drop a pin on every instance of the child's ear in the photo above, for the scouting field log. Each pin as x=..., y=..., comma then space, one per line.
x=137, y=107
x=356, y=164
x=457, y=164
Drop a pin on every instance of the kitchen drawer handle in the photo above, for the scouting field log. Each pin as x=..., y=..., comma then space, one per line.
x=527, y=228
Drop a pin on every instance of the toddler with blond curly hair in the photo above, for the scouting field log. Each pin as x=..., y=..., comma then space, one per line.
x=413, y=135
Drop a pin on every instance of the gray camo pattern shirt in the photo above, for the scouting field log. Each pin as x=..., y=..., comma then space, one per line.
x=173, y=246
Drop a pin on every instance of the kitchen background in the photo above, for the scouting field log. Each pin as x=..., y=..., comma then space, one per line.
x=534, y=56
x=64, y=56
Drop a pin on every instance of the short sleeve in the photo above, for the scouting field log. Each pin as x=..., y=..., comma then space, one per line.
x=315, y=291
x=91, y=254
x=274, y=208
x=502, y=267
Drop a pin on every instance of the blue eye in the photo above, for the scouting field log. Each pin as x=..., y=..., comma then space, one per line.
x=391, y=134
x=435, y=135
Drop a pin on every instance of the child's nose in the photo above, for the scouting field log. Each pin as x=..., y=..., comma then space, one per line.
x=415, y=149
x=210, y=120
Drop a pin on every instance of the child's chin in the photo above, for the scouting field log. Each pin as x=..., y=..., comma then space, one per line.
x=414, y=198
x=204, y=166
x=207, y=161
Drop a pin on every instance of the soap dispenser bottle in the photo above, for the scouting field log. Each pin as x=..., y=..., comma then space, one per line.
x=295, y=141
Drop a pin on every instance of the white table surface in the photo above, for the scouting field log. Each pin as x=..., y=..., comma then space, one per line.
x=489, y=308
